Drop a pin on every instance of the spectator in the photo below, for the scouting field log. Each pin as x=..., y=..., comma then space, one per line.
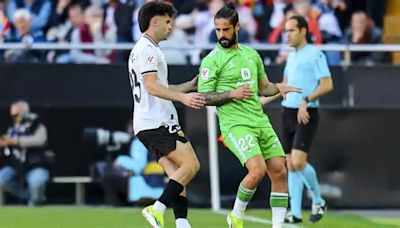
x=327, y=21
x=203, y=23
x=22, y=33
x=60, y=13
x=363, y=31
x=63, y=34
x=26, y=155
x=278, y=35
x=96, y=32
x=136, y=33
x=304, y=9
x=330, y=29
x=119, y=15
x=4, y=24
x=40, y=11
x=277, y=14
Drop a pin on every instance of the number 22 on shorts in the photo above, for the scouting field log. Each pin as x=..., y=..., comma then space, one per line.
x=246, y=142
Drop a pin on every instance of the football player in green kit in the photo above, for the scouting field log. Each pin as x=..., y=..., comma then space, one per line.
x=231, y=77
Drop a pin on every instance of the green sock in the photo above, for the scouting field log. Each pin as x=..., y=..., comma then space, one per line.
x=278, y=202
x=245, y=194
x=277, y=199
x=243, y=197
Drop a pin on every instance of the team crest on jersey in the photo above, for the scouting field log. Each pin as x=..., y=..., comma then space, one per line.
x=204, y=73
x=246, y=75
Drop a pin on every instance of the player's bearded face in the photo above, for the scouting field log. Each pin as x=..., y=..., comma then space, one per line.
x=227, y=43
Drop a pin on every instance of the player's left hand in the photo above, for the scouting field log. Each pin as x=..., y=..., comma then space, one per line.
x=302, y=115
x=284, y=89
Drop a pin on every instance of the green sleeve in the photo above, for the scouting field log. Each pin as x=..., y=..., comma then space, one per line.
x=260, y=67
x=207, y=76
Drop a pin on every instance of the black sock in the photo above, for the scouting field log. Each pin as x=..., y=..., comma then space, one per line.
x=171, y=192
x=180, y=206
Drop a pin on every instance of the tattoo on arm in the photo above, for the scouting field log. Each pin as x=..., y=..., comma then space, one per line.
x=216, y=98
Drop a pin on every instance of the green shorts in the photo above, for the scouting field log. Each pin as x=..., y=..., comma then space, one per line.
x=246, y=142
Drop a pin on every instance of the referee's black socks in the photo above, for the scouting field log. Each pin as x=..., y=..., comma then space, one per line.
x=171, y=192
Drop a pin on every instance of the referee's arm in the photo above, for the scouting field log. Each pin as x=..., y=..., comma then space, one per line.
x=324, y=87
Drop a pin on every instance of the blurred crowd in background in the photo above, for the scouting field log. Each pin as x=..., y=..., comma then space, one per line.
x=115, y=21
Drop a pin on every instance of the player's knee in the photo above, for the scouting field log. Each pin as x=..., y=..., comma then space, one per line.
x=298, y=164
x=258, y=173
x=279, y=174
x=193, y=167
x=196, y=166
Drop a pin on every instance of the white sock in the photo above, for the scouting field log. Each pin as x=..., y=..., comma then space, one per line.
x=159, y=207
x=182, y=223
x=239, y=207
x=278, y=216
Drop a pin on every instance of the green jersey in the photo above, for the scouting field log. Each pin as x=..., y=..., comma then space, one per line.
x=225, y=69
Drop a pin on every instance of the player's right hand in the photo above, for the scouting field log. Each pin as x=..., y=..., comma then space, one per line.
x=242, y=92
x=194, y=100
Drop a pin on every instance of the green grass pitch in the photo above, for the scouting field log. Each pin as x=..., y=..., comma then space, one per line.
x=61, y=217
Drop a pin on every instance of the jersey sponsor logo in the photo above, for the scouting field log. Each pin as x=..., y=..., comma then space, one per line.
x=150, y=59
x=242, y=83
x=204, y=73
x=245, y=72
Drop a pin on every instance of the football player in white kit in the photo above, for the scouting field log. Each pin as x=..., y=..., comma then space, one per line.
x=155, y=117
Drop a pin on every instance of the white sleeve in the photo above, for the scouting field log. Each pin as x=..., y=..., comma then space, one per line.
x=148, y=60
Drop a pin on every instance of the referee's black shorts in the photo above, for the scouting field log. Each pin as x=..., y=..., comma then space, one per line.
x=295, y=135
x=162, y=141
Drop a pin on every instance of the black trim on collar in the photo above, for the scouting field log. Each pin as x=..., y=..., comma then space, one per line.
x=150, y=39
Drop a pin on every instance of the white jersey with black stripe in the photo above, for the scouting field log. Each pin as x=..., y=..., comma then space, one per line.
x=150, y=112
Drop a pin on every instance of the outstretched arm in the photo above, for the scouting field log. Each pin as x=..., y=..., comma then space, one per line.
x=186, y=87
x=155, y=88
x=275, y=90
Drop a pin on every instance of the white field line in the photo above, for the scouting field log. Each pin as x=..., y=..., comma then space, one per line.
x=256, y=219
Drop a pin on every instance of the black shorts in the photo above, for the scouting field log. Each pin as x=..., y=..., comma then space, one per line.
x=162, y=141
x=295, y=135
